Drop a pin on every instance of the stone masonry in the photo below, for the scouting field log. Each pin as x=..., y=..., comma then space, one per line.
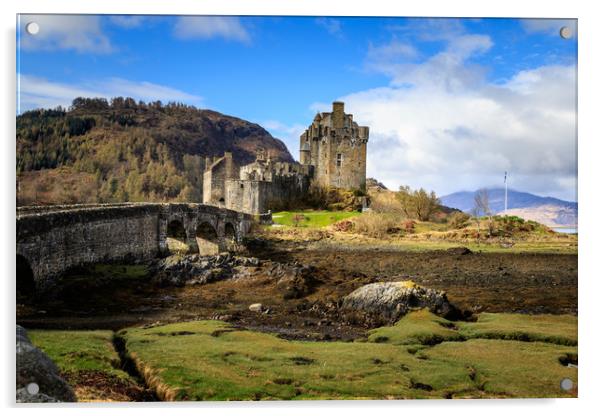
x=336, y=146
x=51, y=241
x=332, y=154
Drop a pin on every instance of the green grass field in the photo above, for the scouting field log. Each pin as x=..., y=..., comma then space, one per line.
x=422, y=356
x=79, y=350
x=311, y=219
x=423, y=327
x=88, y=362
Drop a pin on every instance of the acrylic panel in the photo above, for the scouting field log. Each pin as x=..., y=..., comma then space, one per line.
x=295, y=208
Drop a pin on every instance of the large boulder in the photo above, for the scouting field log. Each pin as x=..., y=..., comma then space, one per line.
x=392, y=300
x=36, y=370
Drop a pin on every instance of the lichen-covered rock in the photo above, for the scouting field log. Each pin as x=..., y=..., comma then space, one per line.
x=33, y=366
x=392, y=300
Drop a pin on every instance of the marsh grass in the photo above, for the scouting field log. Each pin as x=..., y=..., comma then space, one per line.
x=422, y=356
x=79, y=350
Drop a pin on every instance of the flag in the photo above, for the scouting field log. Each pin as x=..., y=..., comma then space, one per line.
x=505, y=175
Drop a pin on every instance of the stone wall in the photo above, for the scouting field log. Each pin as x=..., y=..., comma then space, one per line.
x=336, y=146
x=51, y=242
x=54, y=242
x=214, y=178
x=269, y=187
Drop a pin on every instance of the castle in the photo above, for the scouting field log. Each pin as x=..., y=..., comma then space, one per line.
x=332, y=153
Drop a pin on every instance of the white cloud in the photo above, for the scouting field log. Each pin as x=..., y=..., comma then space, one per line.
x=548, y=26
x=289, y=134
x=389, y=57
x=447, y=68
x=37, y=92
x=332, y=26
x=128, y=22
x=208, y=27
x=81, y=33
x=442, y=126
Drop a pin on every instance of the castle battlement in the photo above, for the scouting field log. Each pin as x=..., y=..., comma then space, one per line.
x=336, y=146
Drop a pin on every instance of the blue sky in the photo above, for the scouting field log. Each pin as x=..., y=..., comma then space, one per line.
x=451, y=103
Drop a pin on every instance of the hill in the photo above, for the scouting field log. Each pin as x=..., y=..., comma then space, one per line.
x=550, y=211
x=123, y=150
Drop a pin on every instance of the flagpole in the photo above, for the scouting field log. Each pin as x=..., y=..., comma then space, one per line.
x=506, y=194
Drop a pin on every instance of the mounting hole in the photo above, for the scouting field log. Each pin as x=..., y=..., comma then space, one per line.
x=566, y=32
x=33, y=388
x=32, y=28
x=566, y=384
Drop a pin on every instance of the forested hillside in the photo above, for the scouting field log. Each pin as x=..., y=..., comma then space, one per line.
x=123, y=150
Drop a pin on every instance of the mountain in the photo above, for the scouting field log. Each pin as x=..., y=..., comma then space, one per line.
x=550, y=211
x=123, y=150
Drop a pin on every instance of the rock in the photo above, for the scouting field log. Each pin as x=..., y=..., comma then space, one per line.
x=294, y=281
x=33, y=366
x=459, y=251
x=394, y=299
x=256, y=307
x=23, y=396
x=178, y=270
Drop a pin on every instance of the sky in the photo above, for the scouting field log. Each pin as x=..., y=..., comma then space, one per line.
x=451, y=103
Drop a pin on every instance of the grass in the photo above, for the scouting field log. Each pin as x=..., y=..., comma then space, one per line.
x=210, y=360
x=86, y=359
x=79, y=350
x=426, y=236
x=508, y=368
x=423, y=327
x=312, y=219
x=557, y=329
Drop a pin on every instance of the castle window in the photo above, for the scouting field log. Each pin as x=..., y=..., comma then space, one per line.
x=339, y=160
x=241, y=186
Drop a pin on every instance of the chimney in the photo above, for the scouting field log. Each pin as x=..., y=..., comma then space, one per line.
x=338, y=114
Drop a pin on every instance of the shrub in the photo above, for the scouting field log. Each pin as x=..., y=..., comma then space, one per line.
x=344, y=226
x=375, y=224
x=458, y=220
x=409, y=226
x=385, y=202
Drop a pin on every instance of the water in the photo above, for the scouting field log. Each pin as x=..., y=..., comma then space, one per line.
x=566, y=230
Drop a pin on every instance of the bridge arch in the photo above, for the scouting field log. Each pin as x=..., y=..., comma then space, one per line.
x=176, y=236
x=26, y=285
x=53, y=239
x=207, y=239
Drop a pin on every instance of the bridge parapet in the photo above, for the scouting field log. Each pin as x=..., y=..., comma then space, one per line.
x=51, y=240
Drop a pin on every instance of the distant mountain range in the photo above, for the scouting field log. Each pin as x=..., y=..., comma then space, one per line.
x=550, y=211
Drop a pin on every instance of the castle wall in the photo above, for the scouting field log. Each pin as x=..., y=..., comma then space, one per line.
x=287, y=182
x=347, y=164
x=248, y=196
x=336, y=146
x=214, y=179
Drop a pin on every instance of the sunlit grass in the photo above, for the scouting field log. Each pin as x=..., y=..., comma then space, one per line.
x=311, y=219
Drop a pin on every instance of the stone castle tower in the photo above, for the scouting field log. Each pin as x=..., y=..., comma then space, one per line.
x=336, y=147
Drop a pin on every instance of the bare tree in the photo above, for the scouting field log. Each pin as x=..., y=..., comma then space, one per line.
x=481, y=207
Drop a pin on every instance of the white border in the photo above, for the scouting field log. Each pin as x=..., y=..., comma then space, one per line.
x=589, y=190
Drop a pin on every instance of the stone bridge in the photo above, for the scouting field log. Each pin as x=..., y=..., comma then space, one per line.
x=51, y=240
